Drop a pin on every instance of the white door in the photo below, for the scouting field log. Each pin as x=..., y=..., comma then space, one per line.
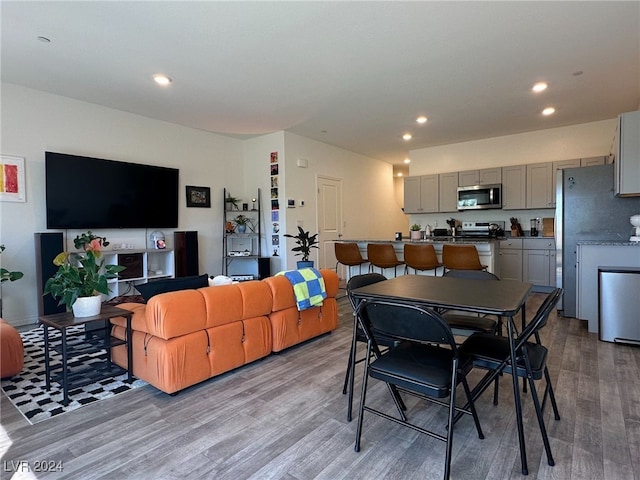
x=329, y=219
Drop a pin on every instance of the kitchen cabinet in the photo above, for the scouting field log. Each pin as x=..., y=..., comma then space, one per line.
x=448, y=184
x=511, y=259
x=539, y=261
x=590, y=256
x=485, y=176
x=627, y=155
x=514, y=187
x=421, y=194
x=528, y=259
x=540, y=193
x=592, y=161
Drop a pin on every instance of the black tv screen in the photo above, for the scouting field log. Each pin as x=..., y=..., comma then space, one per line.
x=85, y=192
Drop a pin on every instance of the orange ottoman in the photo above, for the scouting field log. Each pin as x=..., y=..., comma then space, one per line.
x=11, y=350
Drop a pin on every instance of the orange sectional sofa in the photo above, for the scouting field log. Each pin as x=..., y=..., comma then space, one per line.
x=11, y=350
x=185, y=337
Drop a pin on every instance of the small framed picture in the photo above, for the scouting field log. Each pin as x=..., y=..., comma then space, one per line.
x=198, y=196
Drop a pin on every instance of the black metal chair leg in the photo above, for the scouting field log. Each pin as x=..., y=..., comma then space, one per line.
x=536, y=404
x=549, y=390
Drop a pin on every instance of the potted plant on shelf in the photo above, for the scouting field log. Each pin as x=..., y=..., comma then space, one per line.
x=241, y=222
x=305, y=243
x=81, y=278
x=232, y=202
x=414, y=233
x=7, y=276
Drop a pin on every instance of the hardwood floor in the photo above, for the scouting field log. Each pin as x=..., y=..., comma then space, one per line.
x=284, y=417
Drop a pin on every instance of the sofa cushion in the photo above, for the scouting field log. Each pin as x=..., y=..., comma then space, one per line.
x=148, y=290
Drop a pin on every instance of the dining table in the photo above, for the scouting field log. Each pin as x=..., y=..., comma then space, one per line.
x=503, y=298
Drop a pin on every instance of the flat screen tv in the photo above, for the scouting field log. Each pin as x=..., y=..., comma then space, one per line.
x=85, y=192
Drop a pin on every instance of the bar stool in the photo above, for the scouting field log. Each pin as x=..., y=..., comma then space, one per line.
x=461, y=257
x=348, y=254
x=383, y=255
x=421, y=257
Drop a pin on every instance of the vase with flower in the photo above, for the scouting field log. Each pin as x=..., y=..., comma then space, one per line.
x=82, y=277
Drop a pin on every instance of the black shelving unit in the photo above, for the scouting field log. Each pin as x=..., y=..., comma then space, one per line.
x=243, y=249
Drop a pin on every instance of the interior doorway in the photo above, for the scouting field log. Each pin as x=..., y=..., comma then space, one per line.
x=329, y=219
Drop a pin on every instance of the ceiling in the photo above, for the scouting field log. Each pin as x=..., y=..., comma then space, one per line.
x=351, y=74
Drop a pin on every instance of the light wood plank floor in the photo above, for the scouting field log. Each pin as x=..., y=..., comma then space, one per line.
x=285, y=418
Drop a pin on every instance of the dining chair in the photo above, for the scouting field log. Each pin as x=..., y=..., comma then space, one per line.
x=348, y=254
x=383, y=341
x=468, y=324
x=461, y=257
x=426, y=364
x=383, y=255
x=493, y=353
x=421, y=257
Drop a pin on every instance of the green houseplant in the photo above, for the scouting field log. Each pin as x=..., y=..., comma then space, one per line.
x=7, y=276
x=232, y=202
x=81, y=275
x=305, y=243
x=241, y=222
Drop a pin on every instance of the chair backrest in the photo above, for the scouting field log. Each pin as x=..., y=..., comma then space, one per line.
x=421, y=256
x=348, y=253
x=382, y=254
x=404, y=322
x=472, y=274
x=540, y=318
x=359, y=281
x=461, y=257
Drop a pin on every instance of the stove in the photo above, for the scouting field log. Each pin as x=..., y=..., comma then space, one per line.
x=482, y=229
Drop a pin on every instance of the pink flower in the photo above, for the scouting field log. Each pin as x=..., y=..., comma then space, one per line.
x=93, y=246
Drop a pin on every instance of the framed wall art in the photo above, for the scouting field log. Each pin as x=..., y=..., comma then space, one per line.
x=198, y=196
x=12, y=181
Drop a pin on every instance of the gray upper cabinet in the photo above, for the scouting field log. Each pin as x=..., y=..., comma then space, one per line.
x=514, y=187
x=540, y=194
x=421, y=194
x=448, y=183
x=485, y=176
x=489, y=176
x=627, y=155
x=469, y=178
x=592, y=161
x=573, y=163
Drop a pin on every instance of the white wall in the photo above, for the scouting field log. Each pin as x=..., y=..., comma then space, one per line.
x=34, y=122
x=370, y=210
x=576, y=141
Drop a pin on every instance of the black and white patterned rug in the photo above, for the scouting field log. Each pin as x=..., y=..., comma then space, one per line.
x=27, y=389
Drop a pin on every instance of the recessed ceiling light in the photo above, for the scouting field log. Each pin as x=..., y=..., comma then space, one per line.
x=399, y=174
x=549, y=111
x=407, y=136
x=539, y=87
x=421, y=119
x=407, y=160
x=162, y=79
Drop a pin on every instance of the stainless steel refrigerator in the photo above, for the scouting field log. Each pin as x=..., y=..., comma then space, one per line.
x=586, y=209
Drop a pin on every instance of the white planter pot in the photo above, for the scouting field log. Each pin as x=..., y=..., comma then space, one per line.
x=87, y=306
x=415, y=235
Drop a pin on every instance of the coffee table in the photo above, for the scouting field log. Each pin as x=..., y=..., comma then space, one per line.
x=77, y=343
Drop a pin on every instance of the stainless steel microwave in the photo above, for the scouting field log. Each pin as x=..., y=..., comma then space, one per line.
x=479, y=197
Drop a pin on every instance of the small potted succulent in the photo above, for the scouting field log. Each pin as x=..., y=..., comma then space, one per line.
x=305, y=243
x=415, y=233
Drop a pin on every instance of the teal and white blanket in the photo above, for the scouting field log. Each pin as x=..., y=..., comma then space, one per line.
x=308, y=287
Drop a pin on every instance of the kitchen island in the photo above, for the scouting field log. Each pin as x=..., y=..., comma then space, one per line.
x=488, y=250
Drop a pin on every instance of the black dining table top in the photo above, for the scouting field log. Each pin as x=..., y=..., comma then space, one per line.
x=494, y=297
